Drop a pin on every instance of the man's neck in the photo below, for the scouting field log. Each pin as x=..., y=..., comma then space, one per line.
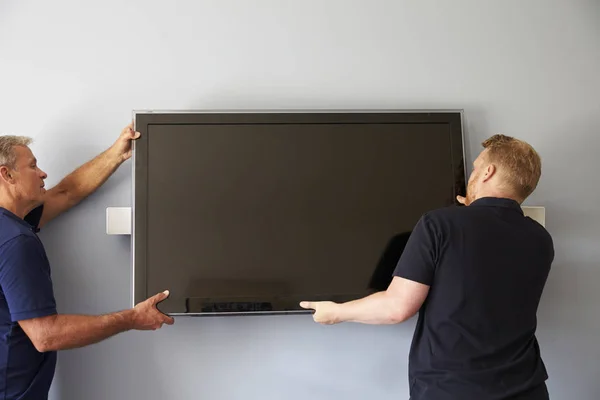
x=14, y=207
x=498, y=194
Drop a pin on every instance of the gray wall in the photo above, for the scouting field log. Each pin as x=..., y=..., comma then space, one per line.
x=70, y=75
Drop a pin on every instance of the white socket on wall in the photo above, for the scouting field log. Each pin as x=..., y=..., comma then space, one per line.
x=536, y=213
x=118, y=220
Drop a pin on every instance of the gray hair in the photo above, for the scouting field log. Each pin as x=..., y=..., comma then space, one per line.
x=8, y=157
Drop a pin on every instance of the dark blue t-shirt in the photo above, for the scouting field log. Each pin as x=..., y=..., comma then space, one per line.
x=486, y=265
x=25, y=292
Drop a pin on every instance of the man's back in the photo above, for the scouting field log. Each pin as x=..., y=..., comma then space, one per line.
x=475, y=337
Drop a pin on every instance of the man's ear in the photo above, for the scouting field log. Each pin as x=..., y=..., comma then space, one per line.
x=489, y=171
x=6, y=174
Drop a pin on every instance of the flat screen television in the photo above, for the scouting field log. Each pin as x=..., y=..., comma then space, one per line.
x=252, y=212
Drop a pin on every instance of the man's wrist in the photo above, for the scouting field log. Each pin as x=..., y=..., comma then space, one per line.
x=126, y=319
x=115, y=154
x=339, y=310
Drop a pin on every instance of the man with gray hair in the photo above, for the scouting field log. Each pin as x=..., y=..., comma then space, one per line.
x=31, y=330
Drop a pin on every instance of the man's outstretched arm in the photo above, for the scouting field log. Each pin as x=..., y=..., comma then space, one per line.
x=86, y=179
x=406, y=293
x=63, y=331
x=399, y=302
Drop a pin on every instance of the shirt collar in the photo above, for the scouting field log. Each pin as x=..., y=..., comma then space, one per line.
x=13, y=216
x=497, y=202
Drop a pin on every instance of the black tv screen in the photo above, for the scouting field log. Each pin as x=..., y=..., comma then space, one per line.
x=250, y=212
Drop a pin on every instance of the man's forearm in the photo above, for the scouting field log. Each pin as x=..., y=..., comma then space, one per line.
x=86, y=179
x=79, y=184
x=402, y=299
x=61, y=332
x=379, y=308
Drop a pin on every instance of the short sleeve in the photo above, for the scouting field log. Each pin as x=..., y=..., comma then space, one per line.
x=419, y=258
x=34, y=217
x=25, y=279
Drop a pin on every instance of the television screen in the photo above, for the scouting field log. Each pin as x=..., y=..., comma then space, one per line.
x=240, y=213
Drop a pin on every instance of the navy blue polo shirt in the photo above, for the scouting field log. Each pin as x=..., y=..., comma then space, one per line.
x=486, y=265
x=25, y=292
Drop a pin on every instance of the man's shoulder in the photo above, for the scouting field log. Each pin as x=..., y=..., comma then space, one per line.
x=10, y=228
x=445, y=214
x=535, y=229
x=447, y=220
x=9, y=231
x=458, y=217
x=17, y=243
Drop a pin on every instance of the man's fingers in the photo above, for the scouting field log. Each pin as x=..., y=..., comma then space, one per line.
x=130, y=132
x=307, y=305
x=128, y=128
x=160, y=297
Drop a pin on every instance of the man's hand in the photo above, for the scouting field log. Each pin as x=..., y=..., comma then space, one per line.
x=122, y=146
x=147, y=317
x=326, y=312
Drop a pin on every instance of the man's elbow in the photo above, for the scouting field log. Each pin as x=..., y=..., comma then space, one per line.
x=401, y=310
x=45, y=341
x=43, y=344
x=398, y=316
x=40, y=333
x=406, y=298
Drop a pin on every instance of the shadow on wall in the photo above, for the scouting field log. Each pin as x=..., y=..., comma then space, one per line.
x=383, y=273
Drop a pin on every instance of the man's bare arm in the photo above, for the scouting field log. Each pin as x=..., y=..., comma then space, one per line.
x=88, y=178
x=61, y=332
x=399, y=302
